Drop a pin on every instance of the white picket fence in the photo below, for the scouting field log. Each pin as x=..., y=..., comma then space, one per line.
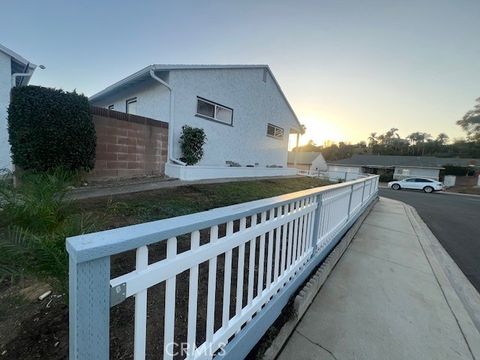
x=269, y=246
x=332, y=175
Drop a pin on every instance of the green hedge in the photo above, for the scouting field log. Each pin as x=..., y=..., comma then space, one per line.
x=50, y=128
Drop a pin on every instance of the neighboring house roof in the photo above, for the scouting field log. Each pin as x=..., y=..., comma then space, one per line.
x=405, y=161
x=461, y=162
x=19, y=65
x=303, y=157
x=144, y=74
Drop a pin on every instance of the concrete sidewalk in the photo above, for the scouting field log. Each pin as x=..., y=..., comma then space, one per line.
x=389, y=297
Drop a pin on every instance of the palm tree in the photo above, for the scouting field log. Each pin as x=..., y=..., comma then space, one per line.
x=372, y=139
x=442, y=138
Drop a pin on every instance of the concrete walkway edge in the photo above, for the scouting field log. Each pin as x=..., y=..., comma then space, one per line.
x=306, y=295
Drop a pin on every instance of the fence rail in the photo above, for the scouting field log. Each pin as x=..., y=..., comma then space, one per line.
x=258, y=252
x=332, y=175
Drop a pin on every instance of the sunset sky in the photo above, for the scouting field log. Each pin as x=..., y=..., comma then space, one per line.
x=347, y=67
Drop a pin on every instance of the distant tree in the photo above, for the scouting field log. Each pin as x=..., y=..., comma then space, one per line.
x=372, y=139
x=413, y=138
x=303, y=129
x=470, y=123
x=391, y=134
x=442, y=138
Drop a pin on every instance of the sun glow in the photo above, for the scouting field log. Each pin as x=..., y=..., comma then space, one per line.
x=321, y=131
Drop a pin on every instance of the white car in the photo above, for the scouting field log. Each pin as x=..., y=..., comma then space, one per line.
x=427, y=185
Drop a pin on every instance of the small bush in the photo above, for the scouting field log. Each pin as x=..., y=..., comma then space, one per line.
x=50, y=128
x=191, y=143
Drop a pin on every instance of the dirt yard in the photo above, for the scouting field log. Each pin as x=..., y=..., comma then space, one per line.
x=34, y=329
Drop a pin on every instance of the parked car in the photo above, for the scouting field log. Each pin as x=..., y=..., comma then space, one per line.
x=427, y=185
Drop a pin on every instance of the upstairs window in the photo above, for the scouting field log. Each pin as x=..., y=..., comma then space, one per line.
x=213, y=111
x=275, y=131
x=131, y=106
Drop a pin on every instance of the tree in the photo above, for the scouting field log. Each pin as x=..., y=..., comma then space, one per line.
x=372, y=139
x=442, y=138
x=470, y=123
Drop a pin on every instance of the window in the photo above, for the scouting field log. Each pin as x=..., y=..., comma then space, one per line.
x=131, y=106
x=275, y=131
x=111, y=107
x=423, y=180
x=214, y=111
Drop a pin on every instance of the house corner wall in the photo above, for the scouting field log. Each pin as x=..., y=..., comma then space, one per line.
x=255, y=103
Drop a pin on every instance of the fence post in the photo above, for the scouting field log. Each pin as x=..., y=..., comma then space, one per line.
x=363, y=191
x=316, y=220
x=89, y=308
x=350, y=202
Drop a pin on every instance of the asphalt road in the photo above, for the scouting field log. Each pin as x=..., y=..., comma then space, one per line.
x=454, y=220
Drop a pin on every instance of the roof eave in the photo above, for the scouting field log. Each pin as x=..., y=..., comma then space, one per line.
x=105, y=92
x=17, y=57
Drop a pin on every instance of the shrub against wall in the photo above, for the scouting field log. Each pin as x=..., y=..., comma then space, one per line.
x=50, y=128
x=191, y=143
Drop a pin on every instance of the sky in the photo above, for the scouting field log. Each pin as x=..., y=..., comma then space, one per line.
x=348, y=68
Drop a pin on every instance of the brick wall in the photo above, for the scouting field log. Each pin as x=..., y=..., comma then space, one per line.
x=128, y=145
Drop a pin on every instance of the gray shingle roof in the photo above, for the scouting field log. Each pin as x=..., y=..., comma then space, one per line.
x=303, y=157
x=395, y=160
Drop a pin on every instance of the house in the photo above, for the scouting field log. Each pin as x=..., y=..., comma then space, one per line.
x=307, y=161
x=242, y=109
x=398, y=167
x=14, y=71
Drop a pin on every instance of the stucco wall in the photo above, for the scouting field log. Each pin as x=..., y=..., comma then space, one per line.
x=255, y=103
x=319, y=163
x=5, y=81
x=299, y=166
x=405, y=172
x=152, y=100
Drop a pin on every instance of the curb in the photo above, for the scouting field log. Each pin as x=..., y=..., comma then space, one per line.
x=460, y=295
x=459, y=194
x=305, y=297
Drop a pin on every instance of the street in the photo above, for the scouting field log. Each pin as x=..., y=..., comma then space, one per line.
x=455, y=221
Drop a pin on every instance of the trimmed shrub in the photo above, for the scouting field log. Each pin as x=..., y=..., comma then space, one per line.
x=50, y=128
x=191, y=143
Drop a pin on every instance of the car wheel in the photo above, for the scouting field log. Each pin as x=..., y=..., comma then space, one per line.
x=428, y=189
x=396, y=187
